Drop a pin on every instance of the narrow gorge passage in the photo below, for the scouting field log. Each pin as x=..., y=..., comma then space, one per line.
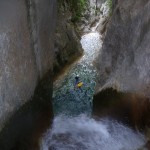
x=70, y=101
x=73, y=128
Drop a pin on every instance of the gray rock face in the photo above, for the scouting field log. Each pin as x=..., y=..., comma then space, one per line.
x=67, y=42
x=124, y=62
x=26, y=51
x=91, y=15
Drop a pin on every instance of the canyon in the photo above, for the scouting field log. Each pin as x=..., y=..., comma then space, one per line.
x=38, y=39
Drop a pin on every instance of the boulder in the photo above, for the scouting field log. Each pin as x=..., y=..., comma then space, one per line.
x=124, y=60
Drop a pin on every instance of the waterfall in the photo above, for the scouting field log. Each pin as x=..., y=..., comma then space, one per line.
x=84, y=133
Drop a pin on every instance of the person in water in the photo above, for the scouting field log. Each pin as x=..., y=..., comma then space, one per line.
x=78, y=83
x=76, y=79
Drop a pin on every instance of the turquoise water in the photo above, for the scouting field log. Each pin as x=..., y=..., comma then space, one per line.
x=72, y=101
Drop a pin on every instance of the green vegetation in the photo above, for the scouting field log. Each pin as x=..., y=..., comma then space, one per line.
x=77, y=7
x=109, y=3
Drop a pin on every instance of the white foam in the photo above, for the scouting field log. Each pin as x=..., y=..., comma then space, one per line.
x=91, y=43
x=84, y=133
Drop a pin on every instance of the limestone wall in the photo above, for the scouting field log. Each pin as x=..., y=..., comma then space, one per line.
x=124, y=62
x=26, y=50
x=67, y=39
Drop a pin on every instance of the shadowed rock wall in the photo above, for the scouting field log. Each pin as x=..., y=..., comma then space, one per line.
x=129, y=108
x=26, y=127
x=26, y=51
x=67, y=39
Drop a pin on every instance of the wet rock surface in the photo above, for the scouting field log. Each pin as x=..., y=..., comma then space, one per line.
x=129, y=108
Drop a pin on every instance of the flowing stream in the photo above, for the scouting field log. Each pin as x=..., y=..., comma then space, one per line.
x=73, y=127
x=72, y=101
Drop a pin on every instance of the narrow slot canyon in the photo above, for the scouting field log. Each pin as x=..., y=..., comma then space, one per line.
x=74, y=75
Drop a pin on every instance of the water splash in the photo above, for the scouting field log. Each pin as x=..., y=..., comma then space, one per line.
x=91, y=43
x=84, y=133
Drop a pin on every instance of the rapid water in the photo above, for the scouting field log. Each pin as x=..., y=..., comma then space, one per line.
x=73, y=128
x=70, y=101
x=84, y=133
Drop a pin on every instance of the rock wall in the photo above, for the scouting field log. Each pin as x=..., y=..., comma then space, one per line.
x=124, y=62
x=129, y=108
x=67, y=39
x=122, y=90
x=91, y=16
x=26, y=51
